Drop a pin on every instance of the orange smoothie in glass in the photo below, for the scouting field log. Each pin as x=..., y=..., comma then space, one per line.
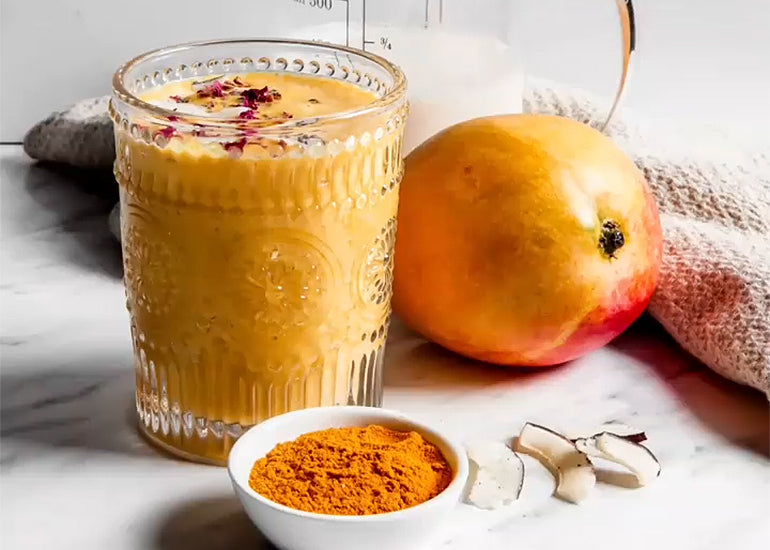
x=258, y=212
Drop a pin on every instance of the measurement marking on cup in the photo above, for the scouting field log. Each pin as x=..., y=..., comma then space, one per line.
x=347, y=22
x=329, y=5
x=383, y=42
x=364, y=41
x=320, y=4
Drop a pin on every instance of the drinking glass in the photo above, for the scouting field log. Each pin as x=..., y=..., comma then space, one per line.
x=255, y=285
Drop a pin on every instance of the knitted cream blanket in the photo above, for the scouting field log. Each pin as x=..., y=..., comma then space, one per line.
x=714, y=198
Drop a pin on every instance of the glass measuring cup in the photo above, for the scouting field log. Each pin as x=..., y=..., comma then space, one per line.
x=462, y=59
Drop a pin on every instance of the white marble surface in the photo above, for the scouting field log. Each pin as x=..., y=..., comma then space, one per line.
x=76, y=475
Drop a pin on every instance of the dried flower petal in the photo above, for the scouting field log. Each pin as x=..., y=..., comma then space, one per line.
x=248, y=114
x=177, y=99
x=207, y=80
x=212, y=90
x=200, y=131
x=235, y=146
x=252, y=97
x=172, y=118
x=167, y=132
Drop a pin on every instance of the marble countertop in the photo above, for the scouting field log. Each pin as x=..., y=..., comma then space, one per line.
x=75, y=473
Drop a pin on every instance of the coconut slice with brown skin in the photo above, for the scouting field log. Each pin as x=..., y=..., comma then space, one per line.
x=624, y=451
x=574, y=473
x=620, y=429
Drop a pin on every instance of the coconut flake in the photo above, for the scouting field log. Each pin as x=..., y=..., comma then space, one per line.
x=621, y=450
x=618, y=428
x=574, y=472
x=499, y=475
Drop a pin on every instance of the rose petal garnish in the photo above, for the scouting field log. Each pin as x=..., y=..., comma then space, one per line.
x=167, y=132
x=248, y=114
x=172, y=118
x=177, y=99
x=199, y=130
x=254, y=96
x=235, y=146
x=212, y=90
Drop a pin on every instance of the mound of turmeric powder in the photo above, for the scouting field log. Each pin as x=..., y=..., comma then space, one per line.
x=352, y=471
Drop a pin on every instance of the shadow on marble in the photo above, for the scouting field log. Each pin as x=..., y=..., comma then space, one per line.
x=737, y=413
x=215, y=523
x=70, y=408
x=81, y=201
x=412, y=361
x=96, y=182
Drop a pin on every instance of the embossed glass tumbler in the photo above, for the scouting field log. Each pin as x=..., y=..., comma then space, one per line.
x=257, y=251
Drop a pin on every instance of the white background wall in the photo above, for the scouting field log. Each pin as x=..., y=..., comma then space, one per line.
x=707, y=61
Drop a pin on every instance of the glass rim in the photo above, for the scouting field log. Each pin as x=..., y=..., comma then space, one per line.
x=392, y=96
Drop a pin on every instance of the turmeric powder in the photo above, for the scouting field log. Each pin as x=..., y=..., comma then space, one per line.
x=352, y=471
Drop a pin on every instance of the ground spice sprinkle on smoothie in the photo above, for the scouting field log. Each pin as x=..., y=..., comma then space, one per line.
x=352, y=471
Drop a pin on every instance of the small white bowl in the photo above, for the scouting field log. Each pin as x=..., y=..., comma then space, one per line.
x=291, y=529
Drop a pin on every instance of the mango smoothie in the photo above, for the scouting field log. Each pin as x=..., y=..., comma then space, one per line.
x=258, y=220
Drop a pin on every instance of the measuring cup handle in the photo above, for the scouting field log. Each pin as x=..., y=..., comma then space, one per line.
x=628, y=43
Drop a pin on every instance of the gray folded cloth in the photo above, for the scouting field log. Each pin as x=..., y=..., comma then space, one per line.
x=79, y=136
x=714, y=198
